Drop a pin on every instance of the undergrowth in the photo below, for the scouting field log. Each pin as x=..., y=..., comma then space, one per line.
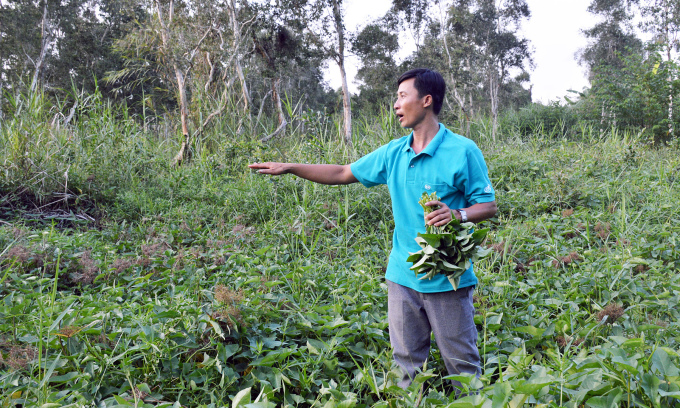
x=128, y=282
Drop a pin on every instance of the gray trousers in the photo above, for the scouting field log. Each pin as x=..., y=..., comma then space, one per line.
x=412, y=316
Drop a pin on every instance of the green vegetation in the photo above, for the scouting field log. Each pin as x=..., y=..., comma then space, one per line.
x=209, y=285
x=126, y=280
x=450, y=249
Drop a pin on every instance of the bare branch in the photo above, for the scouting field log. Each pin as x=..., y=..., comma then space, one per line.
x=259, y=113
x=70, y=115
x=210, y=117
x=278, y=130
x=195, y=50
x=211, y=75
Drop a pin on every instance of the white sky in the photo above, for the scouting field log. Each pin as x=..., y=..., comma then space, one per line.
x=554, y=31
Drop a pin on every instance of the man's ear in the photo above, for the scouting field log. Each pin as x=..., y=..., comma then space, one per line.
x=427, y=101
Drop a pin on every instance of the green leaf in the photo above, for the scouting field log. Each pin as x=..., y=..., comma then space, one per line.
x=662, y=363
x=60, y=317
x=420, y=262
x=455, y=281
x=629, y=365
x=672, y=394
x=451, y=267
x=533, y=331
x=263, y=250
x=650, y=384
x=431, y=239
x=242, y=398
x=315, y=346
x=50, y=370
x=64, y=378
x=122, y=401
x=429, y=250
x=414, y=257
x=633, y=343
x=531, y=387
x=610, y=400
x=501, y=394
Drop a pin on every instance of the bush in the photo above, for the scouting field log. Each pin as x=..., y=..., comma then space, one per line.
x=554, y=120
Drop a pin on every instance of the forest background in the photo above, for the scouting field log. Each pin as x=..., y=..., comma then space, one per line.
x=252, y=58
x=143, y=264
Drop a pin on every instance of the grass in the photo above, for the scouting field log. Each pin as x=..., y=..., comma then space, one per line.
x=209, y=285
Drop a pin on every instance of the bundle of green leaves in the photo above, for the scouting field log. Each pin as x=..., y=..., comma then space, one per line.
x=449, y=249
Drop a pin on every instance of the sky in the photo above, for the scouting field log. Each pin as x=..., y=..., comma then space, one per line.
x=554, y=31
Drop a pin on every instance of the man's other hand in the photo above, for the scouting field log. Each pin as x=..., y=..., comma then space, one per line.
x=439, y=217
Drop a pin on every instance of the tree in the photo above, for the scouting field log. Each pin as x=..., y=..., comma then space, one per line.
x=663, y=20
x=276, y=45
x=501, y=48
x=167, y=45
x=632, y=85
x=456, y=35
x=412, y=15
x=376, y=44
x=609, y=43
x=58, y=44
x=180, y=48
x=636, y=95
x=338, y=55
x=612, y=39
x=318, y=15
x=237, y=32
x=480, y=46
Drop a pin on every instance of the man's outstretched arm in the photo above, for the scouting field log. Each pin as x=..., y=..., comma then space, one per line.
x=318, y=173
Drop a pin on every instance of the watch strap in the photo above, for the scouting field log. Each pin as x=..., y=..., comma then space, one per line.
x=463, y=214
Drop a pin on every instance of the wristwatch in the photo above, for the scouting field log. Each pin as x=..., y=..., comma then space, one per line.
x=463, y=214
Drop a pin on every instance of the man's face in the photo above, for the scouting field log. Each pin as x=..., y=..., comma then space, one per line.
x=410, y=107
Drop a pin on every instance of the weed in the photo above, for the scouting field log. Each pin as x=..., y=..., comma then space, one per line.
x=612, y=312
x=17, y=357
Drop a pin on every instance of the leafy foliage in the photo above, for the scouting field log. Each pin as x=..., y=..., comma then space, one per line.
x=208, y=285
x=450, y=249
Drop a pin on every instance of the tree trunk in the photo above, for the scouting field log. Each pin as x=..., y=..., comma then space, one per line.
x=211, y=74
x=460, y=100
x=340, y=59
x=276, y=97
x=233, y=16
x=493, y=96
x=181, y=85
x=45, y=40
x=2, y=88
x=184, y=116
x=181, y=74
x=671, y=126
x=346, y=106
x=467, y=89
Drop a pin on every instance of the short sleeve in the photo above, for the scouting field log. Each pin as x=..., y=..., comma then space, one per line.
x=371, y=170
x=476, y=184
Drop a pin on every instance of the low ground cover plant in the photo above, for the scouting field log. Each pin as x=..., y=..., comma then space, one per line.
x=210, y=286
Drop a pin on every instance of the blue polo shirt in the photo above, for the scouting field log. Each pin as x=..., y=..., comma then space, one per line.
x=451, y=165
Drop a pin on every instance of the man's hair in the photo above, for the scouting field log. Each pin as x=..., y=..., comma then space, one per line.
x=428, y=82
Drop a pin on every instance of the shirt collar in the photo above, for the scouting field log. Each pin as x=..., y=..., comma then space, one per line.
x=431, y=147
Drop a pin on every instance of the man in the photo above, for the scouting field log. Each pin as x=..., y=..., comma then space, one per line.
x=431, y=158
